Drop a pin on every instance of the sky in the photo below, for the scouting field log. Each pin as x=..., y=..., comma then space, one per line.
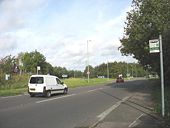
x=60, y=30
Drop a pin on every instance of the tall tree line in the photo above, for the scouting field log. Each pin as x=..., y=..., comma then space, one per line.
x=113, y=69
x=26, y=63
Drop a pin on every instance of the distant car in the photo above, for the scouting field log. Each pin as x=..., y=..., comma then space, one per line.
x=119, y=80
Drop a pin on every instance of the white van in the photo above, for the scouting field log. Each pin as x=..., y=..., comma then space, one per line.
x=46, y=85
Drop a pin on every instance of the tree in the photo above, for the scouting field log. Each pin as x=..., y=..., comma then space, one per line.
x=32, y=60
x=75, y=74
x=117, y=68
x=91, y=70
x=101, y=70
x=7, y=64
x=59, y=71
x=146, y=21
x=48, y=68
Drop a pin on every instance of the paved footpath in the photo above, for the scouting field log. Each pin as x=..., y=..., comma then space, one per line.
x=138, y=107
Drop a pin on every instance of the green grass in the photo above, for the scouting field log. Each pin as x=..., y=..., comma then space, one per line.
x=19, y=84
x=78, y=82
x=11, y=92
x=157, y=99
x=16, y=85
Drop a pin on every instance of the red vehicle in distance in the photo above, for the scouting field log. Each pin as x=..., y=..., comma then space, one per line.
x=120, y=79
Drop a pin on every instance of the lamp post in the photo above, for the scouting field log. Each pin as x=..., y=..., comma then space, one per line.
x=107, y=70
x=88, y=72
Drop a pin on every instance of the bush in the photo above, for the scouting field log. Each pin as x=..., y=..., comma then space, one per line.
x=15, y=81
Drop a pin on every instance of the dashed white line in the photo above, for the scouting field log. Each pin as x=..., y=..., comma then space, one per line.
x=41, y=101
x=5, y=97
x=95, y=90
x=133, y=123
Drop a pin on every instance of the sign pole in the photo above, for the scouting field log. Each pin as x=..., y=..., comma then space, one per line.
x=155, y=47
x=162, y=75
x=38, y=68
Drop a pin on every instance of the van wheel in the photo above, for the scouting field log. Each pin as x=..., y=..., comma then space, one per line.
x=48, y=94
x=31, y=95
x=65, y=90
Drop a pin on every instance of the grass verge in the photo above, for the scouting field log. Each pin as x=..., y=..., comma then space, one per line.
x=78, y=82
x=157, y=99
x=20, y=86
x=12, y=91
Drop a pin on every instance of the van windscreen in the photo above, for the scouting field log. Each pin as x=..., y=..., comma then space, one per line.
x=36, y=80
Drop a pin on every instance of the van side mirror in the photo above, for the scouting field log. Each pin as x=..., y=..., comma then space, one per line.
x=62, y=82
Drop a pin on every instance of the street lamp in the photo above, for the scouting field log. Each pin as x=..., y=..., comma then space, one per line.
x=88, y=72
x=107, y=70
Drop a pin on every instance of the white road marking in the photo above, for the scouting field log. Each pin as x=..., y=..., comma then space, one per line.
x=66, y=96
x=95, y=90
x=133, y=123
x=109, y=110
x=41, y=101
x=26, y=94
x=5, y=97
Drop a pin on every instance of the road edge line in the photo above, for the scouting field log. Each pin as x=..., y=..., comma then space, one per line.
x=103, y=115
x=130, y=125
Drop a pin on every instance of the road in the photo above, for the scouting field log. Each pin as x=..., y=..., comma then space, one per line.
x=105, y=106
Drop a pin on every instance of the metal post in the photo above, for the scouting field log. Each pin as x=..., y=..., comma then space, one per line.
x=37, y=70
x=127, y=71
x=162, y=75
x=107, y=70
x=136, y=74
x=132, y=70
x=88, y=73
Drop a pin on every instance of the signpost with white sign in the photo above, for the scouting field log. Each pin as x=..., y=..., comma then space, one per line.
x=64, y=76
x=38, y=68
x=155, y=46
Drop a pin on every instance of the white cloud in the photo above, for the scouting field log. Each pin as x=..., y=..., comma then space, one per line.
x=7, y=43
x=61, y=38
x=15, y=14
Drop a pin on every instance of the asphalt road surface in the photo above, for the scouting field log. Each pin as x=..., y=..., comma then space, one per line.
x=116, y=105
